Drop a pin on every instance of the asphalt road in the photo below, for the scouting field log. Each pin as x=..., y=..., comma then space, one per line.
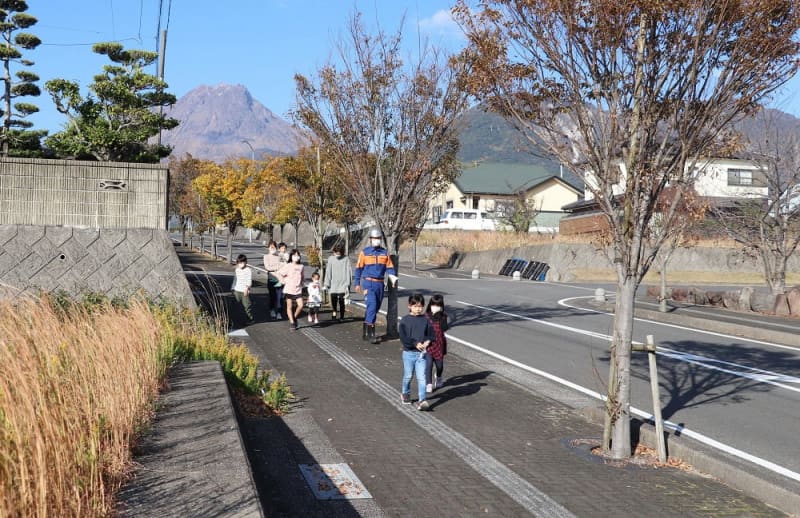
x=740, y=393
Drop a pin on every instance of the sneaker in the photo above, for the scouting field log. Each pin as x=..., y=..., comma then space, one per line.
x=278, y=316
x=428, y=388
x=405, y=399
x=272, y=315
x=423, y=405
x=439, y=383
x=295, y=325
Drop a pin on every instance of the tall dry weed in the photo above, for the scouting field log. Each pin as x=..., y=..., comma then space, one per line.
x=76, y=387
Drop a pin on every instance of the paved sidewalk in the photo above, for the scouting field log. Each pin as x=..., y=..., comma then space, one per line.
x=489, y=446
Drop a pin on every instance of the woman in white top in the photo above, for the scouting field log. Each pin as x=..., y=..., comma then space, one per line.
x=242, y=282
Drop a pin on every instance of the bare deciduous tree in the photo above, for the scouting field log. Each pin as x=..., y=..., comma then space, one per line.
x=632, y=92
x=388, y=125
x=518, y=212
x=769, y=227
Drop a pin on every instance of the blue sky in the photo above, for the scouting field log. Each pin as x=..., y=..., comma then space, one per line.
x=260, y=44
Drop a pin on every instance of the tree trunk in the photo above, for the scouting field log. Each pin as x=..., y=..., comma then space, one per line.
x=391, y=291
x=619, y=400
x=230, y=246
x=183, y=221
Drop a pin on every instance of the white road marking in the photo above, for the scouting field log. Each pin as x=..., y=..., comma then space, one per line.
x=564, y=302
x=641, y=413
x=744, y=371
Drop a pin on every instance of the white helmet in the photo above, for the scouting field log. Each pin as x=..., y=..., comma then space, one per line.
x=375, y=234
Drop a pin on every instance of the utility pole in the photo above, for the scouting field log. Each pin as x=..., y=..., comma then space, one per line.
x=162, y=49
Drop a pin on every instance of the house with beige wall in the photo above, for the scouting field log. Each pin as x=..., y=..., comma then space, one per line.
x=487, y=186
x=717, y=180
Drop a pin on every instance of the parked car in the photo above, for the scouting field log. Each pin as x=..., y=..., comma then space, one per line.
x=464, y=219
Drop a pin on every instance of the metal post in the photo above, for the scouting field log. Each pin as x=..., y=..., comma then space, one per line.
x=660, y=441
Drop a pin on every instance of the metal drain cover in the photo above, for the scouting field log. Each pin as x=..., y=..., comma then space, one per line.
x=333, y=482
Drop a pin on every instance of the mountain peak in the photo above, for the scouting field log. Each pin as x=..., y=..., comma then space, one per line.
x=217, y=120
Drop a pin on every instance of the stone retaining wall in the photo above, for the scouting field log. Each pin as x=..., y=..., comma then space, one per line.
x=565, y=258
x=116, y=262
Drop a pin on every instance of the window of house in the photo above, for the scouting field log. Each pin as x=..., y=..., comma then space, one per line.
x=437, y=213
x=740, y=177
x=475, y=200
x=448, y=204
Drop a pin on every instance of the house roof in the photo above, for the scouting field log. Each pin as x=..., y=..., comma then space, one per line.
x=505, y=179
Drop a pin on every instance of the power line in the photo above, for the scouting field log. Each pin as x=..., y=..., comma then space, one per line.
x=141, y=8
x=158, y=25
x=169, y=13
x=113, y=25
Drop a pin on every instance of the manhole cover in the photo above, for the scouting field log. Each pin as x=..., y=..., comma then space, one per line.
x=333, y=482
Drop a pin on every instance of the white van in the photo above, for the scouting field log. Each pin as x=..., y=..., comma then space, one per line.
x=465, y=219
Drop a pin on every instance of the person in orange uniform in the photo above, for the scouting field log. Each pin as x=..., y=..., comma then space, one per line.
x=373, y=266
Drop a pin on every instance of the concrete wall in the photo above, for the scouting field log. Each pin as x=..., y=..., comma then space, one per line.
x=111, y=261
x=82, y=194
x=565, y=257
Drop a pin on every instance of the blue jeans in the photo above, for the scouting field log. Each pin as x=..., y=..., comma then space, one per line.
x=414, y=363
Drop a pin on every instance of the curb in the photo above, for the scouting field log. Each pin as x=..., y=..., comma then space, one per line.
x=760, y=483
x=743, y=331
x=194, y=461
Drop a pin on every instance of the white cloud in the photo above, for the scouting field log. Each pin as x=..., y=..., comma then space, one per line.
x=441, y=23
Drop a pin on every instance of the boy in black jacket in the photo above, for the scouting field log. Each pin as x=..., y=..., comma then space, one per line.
x=416, y=333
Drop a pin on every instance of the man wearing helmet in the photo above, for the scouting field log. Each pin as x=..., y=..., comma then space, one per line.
x=373, y=266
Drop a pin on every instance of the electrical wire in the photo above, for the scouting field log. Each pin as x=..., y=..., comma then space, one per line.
x=113, y=25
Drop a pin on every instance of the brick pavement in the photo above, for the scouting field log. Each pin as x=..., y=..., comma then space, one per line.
x=410, y=473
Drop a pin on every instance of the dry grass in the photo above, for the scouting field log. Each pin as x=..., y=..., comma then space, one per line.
x=475, y=241
x=78, y=389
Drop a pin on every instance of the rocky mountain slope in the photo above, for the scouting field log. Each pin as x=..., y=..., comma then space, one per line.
x=218, y=121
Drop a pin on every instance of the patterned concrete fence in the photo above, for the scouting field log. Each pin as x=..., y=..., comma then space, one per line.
x=78, y=260
x=86, y=227
x=82, y=194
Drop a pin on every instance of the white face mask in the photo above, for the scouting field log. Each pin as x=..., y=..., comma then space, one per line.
x=376, y=242
x=273, y=251
x=435, y=309
x=296, y=258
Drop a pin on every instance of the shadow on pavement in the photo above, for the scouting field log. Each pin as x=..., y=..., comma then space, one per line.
x=459, y=386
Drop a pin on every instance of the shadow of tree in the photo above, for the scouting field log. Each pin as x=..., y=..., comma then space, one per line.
x=693, y=374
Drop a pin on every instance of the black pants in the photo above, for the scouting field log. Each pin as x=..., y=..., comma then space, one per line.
x=337, y=304
x=429, y=363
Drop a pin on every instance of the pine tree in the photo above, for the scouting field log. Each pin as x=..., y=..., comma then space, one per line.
x=120, y=116
x=13, y=21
